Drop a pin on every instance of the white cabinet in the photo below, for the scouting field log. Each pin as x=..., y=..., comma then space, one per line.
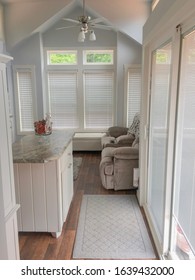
x=44, y=191
x=66, y=163
x=8, y=207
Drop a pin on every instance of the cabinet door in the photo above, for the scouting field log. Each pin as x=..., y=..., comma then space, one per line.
x=5, y=146
x=9, y=246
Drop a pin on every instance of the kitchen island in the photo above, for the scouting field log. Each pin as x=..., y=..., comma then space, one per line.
x=43, y=174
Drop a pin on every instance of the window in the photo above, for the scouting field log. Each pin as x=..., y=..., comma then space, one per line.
x=98, y=96
x=98, y=57
x=62, y=90
x=25, y=98
x=68, y=57
x=133, y=92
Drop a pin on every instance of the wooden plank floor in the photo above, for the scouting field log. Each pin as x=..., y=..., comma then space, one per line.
x=42, y=246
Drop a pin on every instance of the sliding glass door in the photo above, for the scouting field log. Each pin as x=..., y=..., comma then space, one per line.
x=183, y=224
x=170, y=143
x=158, y=137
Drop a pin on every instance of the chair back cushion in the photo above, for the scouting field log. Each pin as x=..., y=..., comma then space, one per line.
x=116, y=131
x=134, y=128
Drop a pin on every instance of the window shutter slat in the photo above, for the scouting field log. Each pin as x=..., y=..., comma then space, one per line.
x=62, y=88
x=99, y=88
x=25, y=100
x=133, y=92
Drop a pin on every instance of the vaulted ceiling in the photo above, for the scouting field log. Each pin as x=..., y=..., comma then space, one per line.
x=25, y=17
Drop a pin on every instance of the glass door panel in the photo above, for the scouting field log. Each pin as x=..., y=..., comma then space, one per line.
x=158, y=135
x=183, y=242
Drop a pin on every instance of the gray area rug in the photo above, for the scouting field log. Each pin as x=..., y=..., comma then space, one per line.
x=77, y=161
x=111, y=227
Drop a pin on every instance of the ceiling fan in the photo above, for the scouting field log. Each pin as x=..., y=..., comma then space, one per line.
x=86, y=25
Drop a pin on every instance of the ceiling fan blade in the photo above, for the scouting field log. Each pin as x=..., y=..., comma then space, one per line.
x=101, y=26
x=96, y=20
x=71, y=20
x=59, y=28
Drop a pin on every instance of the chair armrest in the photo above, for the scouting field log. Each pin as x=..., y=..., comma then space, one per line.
x=126, y=153
x=106, y=166
x=106, y=140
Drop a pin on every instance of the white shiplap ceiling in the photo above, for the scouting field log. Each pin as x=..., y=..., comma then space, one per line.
x=24, y=17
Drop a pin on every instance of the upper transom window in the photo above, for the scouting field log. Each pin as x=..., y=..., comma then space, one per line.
x=65, y=57
x=98, y=57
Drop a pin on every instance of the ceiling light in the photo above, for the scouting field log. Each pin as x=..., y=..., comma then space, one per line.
x=92, y=36
x=83, y=31
x=81, y=37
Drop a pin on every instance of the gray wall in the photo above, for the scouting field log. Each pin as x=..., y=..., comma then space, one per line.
x=128, y=52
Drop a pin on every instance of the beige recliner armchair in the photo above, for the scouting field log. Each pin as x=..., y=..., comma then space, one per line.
x=117, y=165
x=118, y=136
x=120, y=155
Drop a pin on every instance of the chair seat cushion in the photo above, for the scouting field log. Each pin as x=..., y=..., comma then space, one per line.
x=125, y=139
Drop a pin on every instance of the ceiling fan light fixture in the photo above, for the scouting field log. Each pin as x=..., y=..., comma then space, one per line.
x=81, y=37
x=86, y=23
x=92, y=36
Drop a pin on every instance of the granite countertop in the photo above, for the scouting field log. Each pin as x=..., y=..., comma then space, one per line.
x=39, y=149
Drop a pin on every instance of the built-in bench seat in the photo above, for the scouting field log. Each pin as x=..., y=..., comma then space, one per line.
x=87, y=141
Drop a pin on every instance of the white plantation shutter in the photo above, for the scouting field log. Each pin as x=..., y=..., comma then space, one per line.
x=98, y=96
x=133, y=93
x=24, y=81
x=62, y=88
x=161, y=86
x=158, y=137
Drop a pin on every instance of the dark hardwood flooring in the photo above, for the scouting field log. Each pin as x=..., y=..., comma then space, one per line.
x=42, y=246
